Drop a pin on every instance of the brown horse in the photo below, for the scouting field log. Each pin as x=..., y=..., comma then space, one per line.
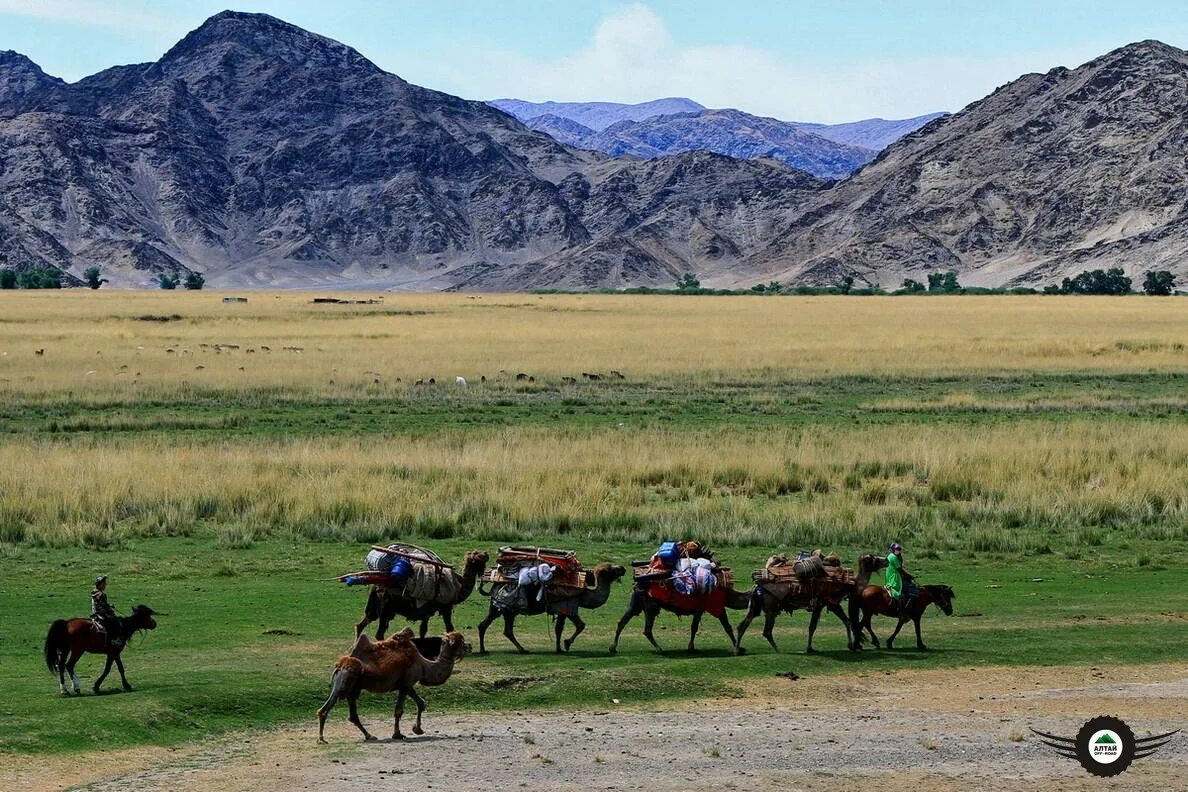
x=874, y=600
x=67, y=641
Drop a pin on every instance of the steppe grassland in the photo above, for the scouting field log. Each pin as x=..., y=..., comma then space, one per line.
x=734, y=417
x=127, y=346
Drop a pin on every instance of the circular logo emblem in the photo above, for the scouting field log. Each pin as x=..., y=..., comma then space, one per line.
x=1105, y=746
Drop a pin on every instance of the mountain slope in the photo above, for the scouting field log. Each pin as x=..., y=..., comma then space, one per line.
x=596, y=115
x=735, y=134
x=1051, y=174
x=262, y=154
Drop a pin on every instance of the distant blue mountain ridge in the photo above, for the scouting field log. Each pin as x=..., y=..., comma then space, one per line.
x=674, y=125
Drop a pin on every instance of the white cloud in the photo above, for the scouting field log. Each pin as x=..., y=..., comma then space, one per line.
x=91, y=13
x=632, y=57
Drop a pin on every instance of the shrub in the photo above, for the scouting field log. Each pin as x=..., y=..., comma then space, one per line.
x=1159, y=283
x=167, y=281
x=92, y=278
x=1111, y=281
x=913, y=286
x=39, y=278
x=8, y=279
x=943, y=282
x=688, y=282
x=194, y=281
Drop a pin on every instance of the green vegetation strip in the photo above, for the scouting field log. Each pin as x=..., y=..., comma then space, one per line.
x=251, y=634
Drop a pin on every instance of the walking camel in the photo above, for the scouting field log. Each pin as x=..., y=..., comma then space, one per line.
x=395, y=664
x=569, y=608
x=773, y=600
x=384, y=603
x=643, y=602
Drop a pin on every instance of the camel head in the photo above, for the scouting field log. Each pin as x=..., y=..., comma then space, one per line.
x=609, y=572
x=456, y=645
x=779, y=559
x=476, y=560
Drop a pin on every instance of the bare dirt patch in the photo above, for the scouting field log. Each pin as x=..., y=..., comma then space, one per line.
x=953, y=729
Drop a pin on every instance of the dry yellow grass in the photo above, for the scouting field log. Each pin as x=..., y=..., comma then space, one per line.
x=96, y=346
x=995, y=487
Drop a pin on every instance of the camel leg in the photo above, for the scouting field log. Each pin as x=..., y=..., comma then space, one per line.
x=424, y=626
x=650, y=622
x=837, y=611
x=814, y=618
x=482, y=628
x=634, y=607
x=693, y=628
x=769, y=620
x=558, y=628
x=447, y=616
x=898, y=627
x=369, y=612
x=103, y=676
x=123, y=676
x=353, y=717
x=335, y=691
x=420, y=710
x=509, y=630
x=919, y=641
x=398, y=713
x=753, y=609
x=578, y=626
x=729, y=631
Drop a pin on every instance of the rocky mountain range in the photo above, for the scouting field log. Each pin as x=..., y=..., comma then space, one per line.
x=264, y=155
x=1051, y=174
x=655, y=129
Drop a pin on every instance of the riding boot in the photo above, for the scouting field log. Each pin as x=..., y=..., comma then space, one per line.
x=905, y=606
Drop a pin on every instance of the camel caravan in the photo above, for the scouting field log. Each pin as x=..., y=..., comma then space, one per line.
x=683, y=578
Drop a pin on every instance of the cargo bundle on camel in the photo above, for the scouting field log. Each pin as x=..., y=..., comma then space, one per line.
x=811, y=582
x=684, y=578
x=535, y=580
x=415, y=583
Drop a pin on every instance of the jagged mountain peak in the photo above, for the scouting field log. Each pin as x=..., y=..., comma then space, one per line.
x=20, y=76
x=265, y=36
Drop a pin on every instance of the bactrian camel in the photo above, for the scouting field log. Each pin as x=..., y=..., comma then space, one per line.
x=604, y=576
x=772, y=600
x=395, y=664
x=384, y=603
x=650, y=607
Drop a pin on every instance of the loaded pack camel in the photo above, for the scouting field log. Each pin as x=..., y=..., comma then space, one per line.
x=771, y=600
x=643, y=602
x=384, y=603
x=568, y=608
x=396, y=664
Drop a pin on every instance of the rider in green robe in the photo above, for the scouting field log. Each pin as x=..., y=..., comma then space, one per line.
x=899, y=580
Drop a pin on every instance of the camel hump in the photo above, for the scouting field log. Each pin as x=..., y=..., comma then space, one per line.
x=350, y=664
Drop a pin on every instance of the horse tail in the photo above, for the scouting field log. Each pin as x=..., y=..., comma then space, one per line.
x=55, y=643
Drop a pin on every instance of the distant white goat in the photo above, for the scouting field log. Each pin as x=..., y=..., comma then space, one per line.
x=460, y=381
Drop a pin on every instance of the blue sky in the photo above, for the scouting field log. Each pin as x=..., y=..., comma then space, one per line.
x=825, y=60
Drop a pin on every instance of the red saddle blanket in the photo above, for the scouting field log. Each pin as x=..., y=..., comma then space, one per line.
x=713, y=603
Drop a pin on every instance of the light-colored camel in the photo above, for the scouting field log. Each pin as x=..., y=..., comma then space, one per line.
x=384, y=603
x=395, y=664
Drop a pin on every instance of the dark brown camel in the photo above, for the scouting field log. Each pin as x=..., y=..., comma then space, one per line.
x=68, y=640
x=384, y=603
x=874, y=600
x=569, y=608
x=773, y=600
x=650, y=607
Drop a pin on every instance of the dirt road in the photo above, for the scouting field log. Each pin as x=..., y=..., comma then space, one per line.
x=935, y=730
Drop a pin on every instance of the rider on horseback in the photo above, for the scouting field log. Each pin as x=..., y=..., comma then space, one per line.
x=900, y=583
x=103, y=615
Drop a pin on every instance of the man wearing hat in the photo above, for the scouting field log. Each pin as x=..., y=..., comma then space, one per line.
x=103, y=616
x=899, y=581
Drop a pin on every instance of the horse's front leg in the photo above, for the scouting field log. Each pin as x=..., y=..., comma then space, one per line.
x=123, y=678
x=919, y=641
x=106, y=671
